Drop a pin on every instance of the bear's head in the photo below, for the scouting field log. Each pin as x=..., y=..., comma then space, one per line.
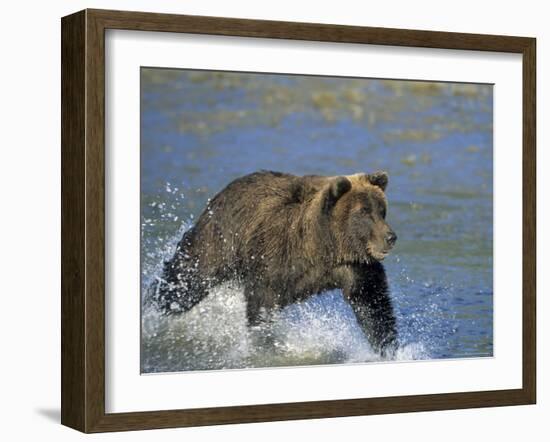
x=357, y=208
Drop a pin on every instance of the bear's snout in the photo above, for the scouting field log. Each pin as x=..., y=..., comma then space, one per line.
x=391, y=238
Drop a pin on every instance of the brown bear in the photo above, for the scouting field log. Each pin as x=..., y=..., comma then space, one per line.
x=285, y=238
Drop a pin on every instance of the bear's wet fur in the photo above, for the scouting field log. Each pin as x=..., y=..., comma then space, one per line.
x=285, y=238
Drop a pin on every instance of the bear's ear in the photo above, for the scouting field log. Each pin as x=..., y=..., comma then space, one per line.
x=379, y=179
x=334, y=190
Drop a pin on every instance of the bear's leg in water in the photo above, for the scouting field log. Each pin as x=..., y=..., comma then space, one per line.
x=260, y=307
x=368, y=295
x=259, y=304
x=180, y=288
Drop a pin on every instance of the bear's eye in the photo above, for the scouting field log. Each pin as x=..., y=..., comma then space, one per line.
x=383, y=212
x=365, y=210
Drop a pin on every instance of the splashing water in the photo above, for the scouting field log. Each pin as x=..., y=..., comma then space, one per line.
x=214, y=335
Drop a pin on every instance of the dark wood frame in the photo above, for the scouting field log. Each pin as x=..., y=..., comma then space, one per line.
x=83, y=220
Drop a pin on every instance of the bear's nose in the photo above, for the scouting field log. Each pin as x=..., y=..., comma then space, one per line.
x=391, y=237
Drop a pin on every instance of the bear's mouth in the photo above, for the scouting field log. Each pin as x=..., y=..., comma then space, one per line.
x=379, y=255
x=369, y=256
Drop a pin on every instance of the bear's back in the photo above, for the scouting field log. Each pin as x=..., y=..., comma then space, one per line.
x=265, y=192
x=254, y=215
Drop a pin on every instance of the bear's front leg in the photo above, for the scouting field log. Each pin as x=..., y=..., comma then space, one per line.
x=366, y=290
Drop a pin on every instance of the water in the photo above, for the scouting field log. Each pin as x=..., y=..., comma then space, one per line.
x=200, y=130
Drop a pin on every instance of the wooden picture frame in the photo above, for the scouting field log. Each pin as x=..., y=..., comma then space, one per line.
x=83, y=220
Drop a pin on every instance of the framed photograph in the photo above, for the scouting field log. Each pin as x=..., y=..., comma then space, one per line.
x=269, y=220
